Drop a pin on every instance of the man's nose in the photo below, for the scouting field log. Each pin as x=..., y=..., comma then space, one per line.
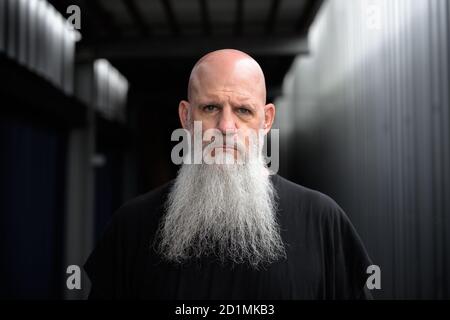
x=227, y=122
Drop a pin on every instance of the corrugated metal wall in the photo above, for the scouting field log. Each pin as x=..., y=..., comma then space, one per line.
x=33, y=33
x=40, y=243
x=365, y=118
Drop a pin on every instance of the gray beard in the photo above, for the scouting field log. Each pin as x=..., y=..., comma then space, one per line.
x=228, y=211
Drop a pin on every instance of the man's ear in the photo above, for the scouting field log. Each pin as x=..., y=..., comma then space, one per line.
x=269, y=117
x=183, y=113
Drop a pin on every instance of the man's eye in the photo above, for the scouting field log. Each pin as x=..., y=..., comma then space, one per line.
x=244, y=111
x=209, y=108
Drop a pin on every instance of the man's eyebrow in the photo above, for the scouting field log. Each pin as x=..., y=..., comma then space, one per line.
x=219, y=104
x=243, y=102
x=246, y=101
x=208, y=102
x=247, y=104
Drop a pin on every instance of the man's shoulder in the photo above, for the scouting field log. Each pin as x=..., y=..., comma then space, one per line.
x=305, y=199
x=301, y=193
x=153, y=197
x=131, y=225
x=145, y=204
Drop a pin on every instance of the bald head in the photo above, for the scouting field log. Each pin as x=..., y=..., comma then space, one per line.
x=227, y=70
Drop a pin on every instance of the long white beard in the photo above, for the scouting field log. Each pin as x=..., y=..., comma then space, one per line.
x=228, y=211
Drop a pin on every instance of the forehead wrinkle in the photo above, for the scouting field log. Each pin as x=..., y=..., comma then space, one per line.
x=227, y=66
x=206, y=89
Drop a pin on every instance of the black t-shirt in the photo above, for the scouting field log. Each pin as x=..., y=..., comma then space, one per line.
x=325, y=257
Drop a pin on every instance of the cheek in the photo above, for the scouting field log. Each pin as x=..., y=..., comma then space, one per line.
x=254, y=124
x=262, y=119
x=249, y=136
x=207, y=122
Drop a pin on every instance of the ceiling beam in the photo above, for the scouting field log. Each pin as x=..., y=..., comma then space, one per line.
x=272, y=16
x=171, y=18
x=206, y=22
x=190, y=47
x=307, y=16
x=136, y=16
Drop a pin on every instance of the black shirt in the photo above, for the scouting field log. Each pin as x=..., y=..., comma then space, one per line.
x=325, y=257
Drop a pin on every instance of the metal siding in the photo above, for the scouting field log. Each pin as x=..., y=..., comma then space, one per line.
x=379, y=139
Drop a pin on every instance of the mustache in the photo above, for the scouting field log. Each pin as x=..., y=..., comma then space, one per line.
x=226, y=142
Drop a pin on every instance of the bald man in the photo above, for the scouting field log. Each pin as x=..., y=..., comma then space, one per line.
x=229, y=230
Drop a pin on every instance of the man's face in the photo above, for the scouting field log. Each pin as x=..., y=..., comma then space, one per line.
x=229, y=97
x=231, y=108
x=233, y=215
